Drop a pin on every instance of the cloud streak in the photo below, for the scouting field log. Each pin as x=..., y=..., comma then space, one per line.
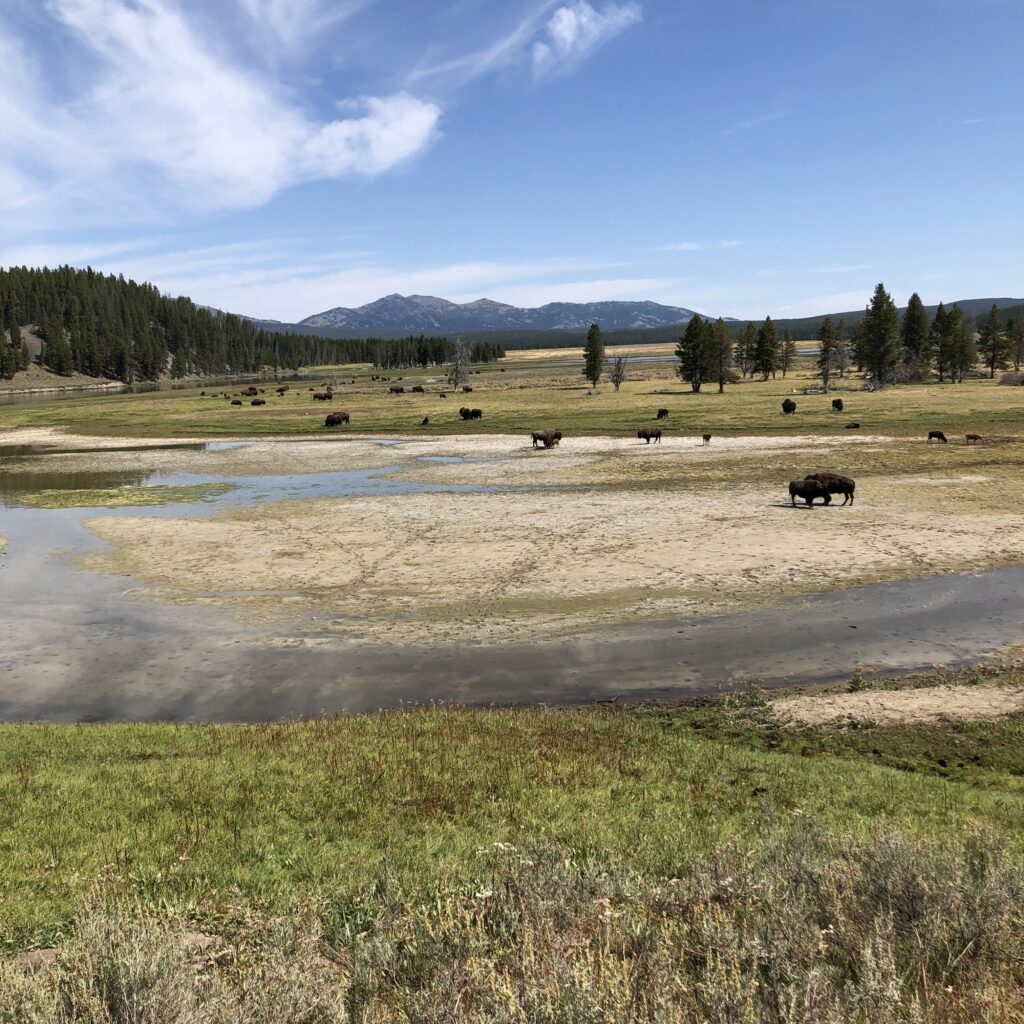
x=165, y=119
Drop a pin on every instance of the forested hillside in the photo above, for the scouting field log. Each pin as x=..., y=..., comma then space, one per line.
x=105, y=326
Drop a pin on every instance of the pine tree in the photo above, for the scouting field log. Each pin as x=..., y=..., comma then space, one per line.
x=1015, y=332
x=593, y=354
x=765, y=359
x=721, y=348
x=916, y=338
x=826, y=350
x=940, y=341
x=694, y=353
x=788, y=353
x=994, y=343
x=879, y=337
x=961, y=345
x=745, y=342
x=842, y=364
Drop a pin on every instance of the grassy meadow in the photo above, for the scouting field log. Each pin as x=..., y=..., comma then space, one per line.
x=525, y=394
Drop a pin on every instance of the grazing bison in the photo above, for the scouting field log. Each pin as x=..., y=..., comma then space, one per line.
x=808, y=490
x=258, y=401
x=202, y=394
x=853, y=426
x=466, y=388
x=649, y=434
x=465, y=412
x=836, y=484
x=335, y=419
x=936, y=435
x=707, y=439
x=548, y=438
x=662, y=414
x=476, y=414
x=837, y=405
x=323, y=396
x=236, y=401
x=788, y=407
x=441, y=394
x=425, y=422
x=396, y=389
x=973, y=438
x=418, y=388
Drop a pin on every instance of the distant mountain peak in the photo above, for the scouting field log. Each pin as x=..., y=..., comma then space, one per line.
x=416, y=313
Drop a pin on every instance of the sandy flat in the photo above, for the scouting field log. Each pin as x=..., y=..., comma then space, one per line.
x=903, y=707
x=547, y=561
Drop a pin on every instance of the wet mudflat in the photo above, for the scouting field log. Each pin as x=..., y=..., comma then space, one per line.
x=77, y=646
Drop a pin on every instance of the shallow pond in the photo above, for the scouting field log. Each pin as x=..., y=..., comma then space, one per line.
x=76, y=646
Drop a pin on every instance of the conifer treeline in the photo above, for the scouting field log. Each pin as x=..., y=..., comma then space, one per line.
x=106, y=326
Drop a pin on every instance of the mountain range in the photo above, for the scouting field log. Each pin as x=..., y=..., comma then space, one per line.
x=429, y=314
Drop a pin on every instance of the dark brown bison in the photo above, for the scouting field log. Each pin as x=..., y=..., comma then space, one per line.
x=476, y=414
x=425, y=422
x=418, y=388
x=441, y=394
x=335, y=419
x=936, y=435
x=837, y=405
x=853, y=426
x=202, y=394
x=466, y=388
x=788, y=407
x=547, y=438
x=808, y=490
x=236, y=401
x=649, y=434
x=258, y=401
x=397, y=389
x=662, y=414
x=323, y=396
x=707, y=439
x=973, y=438
x=465, y=412
x=836, y=484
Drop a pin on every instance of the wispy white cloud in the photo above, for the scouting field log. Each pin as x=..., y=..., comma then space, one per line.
x=293, y=21
x=164, y=118
x=728, y=243
x=993, y=119
x=754, y=122
x=578, y=28
x=553, y=35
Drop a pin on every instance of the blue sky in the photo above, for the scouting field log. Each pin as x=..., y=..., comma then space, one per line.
x=740, y=157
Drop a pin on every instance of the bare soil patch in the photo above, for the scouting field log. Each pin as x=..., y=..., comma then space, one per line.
x=903, y=707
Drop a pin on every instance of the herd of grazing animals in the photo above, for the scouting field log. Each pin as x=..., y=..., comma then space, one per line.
x=812, y=487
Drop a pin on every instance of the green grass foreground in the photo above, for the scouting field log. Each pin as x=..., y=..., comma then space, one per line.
x=185, y=816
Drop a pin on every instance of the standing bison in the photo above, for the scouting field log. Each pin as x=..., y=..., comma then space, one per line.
x=837, y=405
x=936, y=435
x=788, y=407
x=396, y=389
x=835, y=484
x=547, y=438
x=808, y=490
x=323, y=396
x=258, y=401
x=335, y=419
x=649, y=434
x=662, y=414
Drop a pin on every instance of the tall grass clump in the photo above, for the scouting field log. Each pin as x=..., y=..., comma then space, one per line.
x=810, y=929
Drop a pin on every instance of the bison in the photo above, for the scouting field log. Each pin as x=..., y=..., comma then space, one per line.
x=466, y=388
x=425, y=422
x=323, y=396
x=397, y=389
x=236, y=401
x=837, y=405
x=465, y=412
x=441, y=394
x=835, y=484
x=258, y=401
x=853, y=426
x=418, y=388
x=476, y=414
x=936, y=435
x=548, y=438
x=707, y=439
x=808, y=490
x=788, y=407
x=662, y=414
x=335, y=419
x=649, y=434
x=972, y=438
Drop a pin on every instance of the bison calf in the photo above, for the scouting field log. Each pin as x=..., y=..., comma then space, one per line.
x=973, y=438
x=808, y=490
